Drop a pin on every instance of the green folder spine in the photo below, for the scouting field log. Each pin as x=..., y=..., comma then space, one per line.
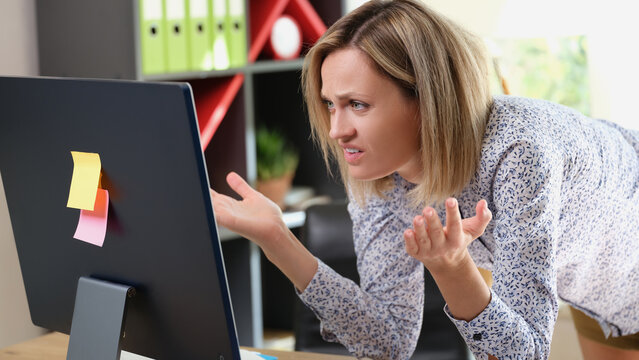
x=220, y=49
x=177, y=40
x=152, y=37
x=236, y=32
x=199, y=34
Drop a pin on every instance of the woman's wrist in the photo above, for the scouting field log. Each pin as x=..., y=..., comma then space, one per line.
x=463, y=289
x=455, y=269
x=288, y=254
x=275, y=239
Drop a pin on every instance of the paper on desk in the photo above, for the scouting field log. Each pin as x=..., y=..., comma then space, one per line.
x=92, y=224
x=252, y=355
x=267, y=357
x=85, y=179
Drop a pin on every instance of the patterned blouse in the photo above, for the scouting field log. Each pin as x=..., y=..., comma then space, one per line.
x=564, y=193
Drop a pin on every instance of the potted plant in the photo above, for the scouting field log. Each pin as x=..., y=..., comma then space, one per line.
x=276, y=165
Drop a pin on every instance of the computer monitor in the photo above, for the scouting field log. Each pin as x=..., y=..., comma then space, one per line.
x=161, y=236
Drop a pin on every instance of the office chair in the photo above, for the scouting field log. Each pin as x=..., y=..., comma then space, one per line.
x=327, y=233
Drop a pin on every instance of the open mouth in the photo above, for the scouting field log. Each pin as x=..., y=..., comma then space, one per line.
x=352, y=155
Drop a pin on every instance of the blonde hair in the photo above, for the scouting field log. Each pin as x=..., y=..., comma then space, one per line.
x=442, y=66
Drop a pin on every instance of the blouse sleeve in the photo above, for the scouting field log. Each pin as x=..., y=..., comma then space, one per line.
x=518, y=322
x=380, y=318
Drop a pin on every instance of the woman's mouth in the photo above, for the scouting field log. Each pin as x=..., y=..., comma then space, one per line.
x=352, y=155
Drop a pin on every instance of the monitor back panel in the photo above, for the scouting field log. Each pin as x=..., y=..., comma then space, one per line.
x=161, y=235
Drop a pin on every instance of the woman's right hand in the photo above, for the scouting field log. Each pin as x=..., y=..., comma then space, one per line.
x=255, y=217
x=260, y=220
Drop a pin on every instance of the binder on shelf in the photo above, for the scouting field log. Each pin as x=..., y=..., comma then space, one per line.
x=236, y=32
x=221, y=59
x=177, y=49
x=199, y=35
x=152, y=37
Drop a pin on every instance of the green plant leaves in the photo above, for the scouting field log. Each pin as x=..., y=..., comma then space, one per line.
x=275, y=158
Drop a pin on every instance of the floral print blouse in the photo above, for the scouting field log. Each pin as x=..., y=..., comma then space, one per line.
x=564, y=193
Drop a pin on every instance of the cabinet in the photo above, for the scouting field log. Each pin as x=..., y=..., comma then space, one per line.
x=100, y=39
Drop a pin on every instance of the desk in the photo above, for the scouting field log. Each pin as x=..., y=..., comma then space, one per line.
x=53, y=346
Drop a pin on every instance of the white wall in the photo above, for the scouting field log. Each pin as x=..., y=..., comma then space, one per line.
x=614, y=54
x=18, y=44
x=18, y=51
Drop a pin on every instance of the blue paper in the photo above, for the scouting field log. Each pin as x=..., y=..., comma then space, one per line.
x=267, y=357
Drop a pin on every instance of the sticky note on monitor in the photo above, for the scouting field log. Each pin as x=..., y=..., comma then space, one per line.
x=84, y=183
x=92, y=224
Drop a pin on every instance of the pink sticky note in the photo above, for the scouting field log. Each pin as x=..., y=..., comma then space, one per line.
x=92, y=224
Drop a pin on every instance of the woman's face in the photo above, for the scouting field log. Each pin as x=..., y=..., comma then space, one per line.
x=372, y=119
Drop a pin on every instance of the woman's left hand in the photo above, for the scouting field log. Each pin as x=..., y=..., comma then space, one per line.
x=441, y=248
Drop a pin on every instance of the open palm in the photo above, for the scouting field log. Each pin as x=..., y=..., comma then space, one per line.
x=255, y=217
x=440, y=247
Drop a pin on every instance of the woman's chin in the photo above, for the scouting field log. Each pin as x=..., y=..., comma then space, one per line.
x=360, y=175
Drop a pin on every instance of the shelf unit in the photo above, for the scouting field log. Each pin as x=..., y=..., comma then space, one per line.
x=100, y=39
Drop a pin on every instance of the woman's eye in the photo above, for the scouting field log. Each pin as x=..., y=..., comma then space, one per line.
x=329, y=104
x=358, y=105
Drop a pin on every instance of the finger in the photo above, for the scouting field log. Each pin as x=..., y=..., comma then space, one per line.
x=215, y=196
x=412, y=248
x=476, y=225
x=434, y=228
x=484, y=212
x=221, y=210
x=421, y=236
x=453, y=219
x=239, y=185
x=219, y=199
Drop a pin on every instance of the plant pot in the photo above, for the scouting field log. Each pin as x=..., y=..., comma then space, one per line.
x=276, y=189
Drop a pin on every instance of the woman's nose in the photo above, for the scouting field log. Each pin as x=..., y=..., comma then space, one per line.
x=340, y=126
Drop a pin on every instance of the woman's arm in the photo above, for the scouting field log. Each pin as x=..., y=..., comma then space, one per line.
x=519, y=318
x=381, y=317
x=444, y=251
x=260, y=220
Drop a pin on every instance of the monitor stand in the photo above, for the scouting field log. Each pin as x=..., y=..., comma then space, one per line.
x=98, y=320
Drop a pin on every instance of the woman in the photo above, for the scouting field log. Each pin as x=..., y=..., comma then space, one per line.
x=398, y=95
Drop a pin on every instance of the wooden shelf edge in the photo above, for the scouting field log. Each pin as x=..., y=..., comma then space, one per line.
x=186, y=76
x=269, y=66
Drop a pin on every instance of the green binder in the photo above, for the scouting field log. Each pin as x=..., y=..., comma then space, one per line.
x=152, y=37
x=236, y=32
x=199, y=34
x=177, y=49
x=220, y=49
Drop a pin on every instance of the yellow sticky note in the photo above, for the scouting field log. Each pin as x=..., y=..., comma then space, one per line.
x=84, y=183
